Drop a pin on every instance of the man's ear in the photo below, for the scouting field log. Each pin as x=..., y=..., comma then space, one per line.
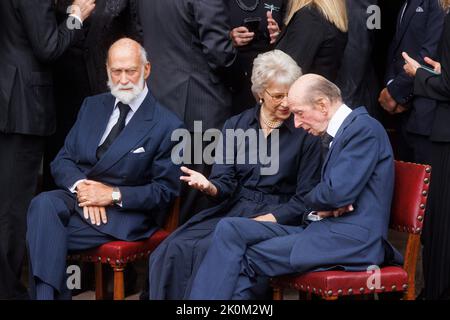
x=147, y=70
x=322, y=105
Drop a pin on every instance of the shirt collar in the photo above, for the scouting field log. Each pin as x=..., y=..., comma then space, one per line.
x=136, y=103
x=338, y=119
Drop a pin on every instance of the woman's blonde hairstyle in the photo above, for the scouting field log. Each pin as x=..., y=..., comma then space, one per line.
x=334, y=11
x=445, y=5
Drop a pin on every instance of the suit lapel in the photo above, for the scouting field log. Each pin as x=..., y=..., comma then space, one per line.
x=97, y=126
x=407, y=17
x=141, y=123
x=341, y=130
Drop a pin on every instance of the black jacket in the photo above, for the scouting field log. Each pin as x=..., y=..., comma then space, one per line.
x=190, y=50
x=314, y=43
x=357, y=78
x=30, y=40
x=438, y=87
x=418, y=34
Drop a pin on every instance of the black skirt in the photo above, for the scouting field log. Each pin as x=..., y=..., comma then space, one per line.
x=436, y=233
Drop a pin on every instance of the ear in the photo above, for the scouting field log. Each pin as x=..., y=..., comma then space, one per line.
x=322, y=104
x=147, y=70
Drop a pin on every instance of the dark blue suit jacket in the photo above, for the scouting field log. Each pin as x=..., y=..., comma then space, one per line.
x=148, y=181
x=418, y=35
x=358, y=170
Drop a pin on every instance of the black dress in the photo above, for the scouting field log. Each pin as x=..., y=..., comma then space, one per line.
x=436, y=233
x=243, y=192
x=242, y=68
x=314, y=43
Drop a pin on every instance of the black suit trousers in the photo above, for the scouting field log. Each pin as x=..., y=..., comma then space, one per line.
x=20, y=161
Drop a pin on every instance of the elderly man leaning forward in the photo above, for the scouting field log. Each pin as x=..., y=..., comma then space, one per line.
x=115, y=174
x=347, y=219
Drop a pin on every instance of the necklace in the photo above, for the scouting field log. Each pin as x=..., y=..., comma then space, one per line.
x=269, y=123
x=244, y=7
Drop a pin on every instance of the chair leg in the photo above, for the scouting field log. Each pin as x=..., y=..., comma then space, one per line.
x=119, y=289
x=277, y=294
x=303, y=296
x=99, y=282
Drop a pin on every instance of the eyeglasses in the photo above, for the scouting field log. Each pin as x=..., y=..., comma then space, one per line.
x=277, y=97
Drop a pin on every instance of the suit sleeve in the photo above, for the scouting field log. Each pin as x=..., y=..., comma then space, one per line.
x=213, y=29
x=164, y=185
x=432, y=86
x=349, y=174
x=48, y=40
x=303, y=38
x=401, y=89
x=64, y=168
x=357, y=55
x=308, y=176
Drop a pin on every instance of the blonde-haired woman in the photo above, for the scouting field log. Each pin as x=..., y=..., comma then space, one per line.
x=436, y=233
x=315, y=35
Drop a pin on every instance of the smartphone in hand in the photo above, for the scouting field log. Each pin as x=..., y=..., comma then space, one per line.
x=429, y=69
x=252, y=24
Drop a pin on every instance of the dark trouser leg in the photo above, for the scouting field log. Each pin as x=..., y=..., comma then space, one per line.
x=219, y=275
x=53, y=230
x=20, y=160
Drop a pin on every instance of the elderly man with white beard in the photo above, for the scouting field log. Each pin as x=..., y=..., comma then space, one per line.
x=115, y=174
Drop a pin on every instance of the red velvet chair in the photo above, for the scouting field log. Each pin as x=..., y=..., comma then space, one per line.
x=118, y=254
x=408, y=208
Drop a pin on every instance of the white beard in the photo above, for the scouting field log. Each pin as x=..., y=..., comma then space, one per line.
x=126, y=97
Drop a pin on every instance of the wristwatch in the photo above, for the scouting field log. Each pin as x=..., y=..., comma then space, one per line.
x=116, y=196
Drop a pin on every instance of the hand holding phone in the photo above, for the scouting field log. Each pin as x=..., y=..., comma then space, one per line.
x=252, y=24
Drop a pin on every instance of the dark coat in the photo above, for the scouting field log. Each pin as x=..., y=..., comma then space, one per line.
x=30, y=40
x=314, y=43
x=357, y=78
x=418, y=34
x=190, y=49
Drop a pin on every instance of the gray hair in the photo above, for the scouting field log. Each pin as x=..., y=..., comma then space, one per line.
x=319, y=87
x=144, y=55
x=273, y=67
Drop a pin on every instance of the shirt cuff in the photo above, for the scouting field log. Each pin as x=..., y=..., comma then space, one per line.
x=76, y=17
x=390, y=81
x=73, y=189
x=312, y=216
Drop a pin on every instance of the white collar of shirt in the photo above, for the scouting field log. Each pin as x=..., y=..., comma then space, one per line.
x=136, y=103
x=134, y=106
x=338, y=119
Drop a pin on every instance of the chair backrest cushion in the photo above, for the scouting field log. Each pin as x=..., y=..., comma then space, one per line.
x=412, y=183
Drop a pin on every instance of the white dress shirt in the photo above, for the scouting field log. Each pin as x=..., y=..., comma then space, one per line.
x=134, y=106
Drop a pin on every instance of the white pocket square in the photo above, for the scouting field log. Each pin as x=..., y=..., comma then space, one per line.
x=140, y=150
x=419, y=9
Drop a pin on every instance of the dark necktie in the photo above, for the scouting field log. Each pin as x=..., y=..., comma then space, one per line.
x=326, y=140
x=115, y=131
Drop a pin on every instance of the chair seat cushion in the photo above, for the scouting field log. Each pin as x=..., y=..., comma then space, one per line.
x=119, y=252
x=344, y=283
